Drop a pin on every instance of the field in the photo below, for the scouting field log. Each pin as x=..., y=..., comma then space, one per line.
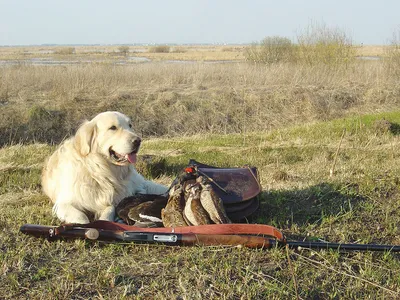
x=286, y=119
x=112, y=53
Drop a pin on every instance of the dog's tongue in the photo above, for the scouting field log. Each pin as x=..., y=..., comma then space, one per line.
x=132, y=158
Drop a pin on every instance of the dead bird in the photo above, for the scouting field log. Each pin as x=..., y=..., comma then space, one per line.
x=142, y=210
x=211, y=202
x=194, y=211
x=172, y=214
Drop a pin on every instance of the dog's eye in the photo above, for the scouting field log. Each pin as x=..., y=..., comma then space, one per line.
x=113, y=127
x=130, y=125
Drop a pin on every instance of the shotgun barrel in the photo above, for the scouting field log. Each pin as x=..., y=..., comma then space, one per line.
x=338, y=246
x=70, y=232
x=38, y=230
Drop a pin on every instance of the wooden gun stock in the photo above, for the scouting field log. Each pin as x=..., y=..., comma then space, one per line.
x=249, y=241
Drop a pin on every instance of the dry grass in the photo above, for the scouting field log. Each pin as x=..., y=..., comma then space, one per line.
x=183, y=99
x=64, y=50
x=371, y=50
x=281, y=118
x=392, y=59
x=197, y=56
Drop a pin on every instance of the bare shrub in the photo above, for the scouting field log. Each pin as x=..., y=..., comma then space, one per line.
x=319, y=43
x=270, y=50
x=392, y=59
x=159, y=49
x=65, y=51
x=124, y=50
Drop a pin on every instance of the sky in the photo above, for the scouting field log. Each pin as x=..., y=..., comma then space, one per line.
x=36, y=22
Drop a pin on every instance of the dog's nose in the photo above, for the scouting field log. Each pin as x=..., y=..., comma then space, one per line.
x=136, y=143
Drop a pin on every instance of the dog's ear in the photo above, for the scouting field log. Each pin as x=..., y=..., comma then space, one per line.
x=84, y=137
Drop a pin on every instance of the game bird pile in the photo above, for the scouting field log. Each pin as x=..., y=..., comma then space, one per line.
x=199, y=195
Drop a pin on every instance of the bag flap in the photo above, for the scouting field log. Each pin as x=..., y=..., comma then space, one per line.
x=232, y=185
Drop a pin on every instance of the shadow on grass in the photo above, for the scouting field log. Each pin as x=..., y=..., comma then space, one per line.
x=395, y=129
x=151, y=166
x=280, y=208
x=382, y=126
x=305, y=206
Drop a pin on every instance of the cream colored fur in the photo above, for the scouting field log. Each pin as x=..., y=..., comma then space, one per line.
x=82, y=178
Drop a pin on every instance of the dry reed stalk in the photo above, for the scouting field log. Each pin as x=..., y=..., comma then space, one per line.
x=332, y=170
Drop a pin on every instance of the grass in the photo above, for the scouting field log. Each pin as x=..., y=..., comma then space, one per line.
x=360, y=203
x=46, y=103
x=286, y=119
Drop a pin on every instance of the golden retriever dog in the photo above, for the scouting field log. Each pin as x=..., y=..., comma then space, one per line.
x=91, y=172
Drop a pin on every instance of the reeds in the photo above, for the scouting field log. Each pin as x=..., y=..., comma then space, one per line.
x=184, y=99
x=392, y=59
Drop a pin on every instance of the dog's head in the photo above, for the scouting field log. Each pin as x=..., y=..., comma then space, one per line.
x=111, y=135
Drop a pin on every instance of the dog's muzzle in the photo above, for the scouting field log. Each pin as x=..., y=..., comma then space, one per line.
x=131, y=157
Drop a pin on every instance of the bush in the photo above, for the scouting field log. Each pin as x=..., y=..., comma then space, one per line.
x=392, y=59
x=65, y=51
x=320, y=44
x=123, y=50
x=271, y=50
x=317, y=44
x=159, y=49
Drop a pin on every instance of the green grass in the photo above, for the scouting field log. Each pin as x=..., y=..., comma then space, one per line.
x=359, y=203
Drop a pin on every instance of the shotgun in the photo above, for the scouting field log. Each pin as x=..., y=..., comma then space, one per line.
x=247, y=235
x=149, y=235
